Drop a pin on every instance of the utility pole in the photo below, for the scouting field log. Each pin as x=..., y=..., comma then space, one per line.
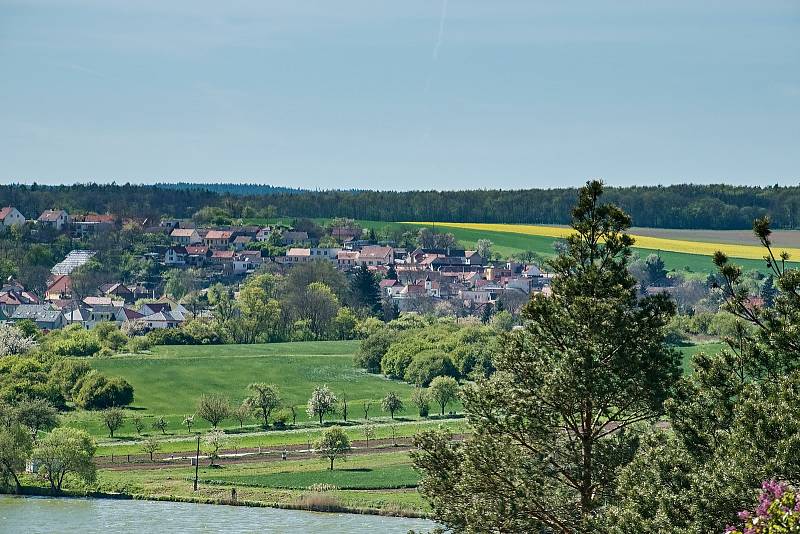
x=197, y=462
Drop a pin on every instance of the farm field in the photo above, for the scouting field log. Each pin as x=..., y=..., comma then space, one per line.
x=169, y=381
x=374, y=481
x=701, y=248
x=508, y=240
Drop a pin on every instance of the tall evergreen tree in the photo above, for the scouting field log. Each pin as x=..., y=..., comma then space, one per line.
x=571, y=396
x=365, y=290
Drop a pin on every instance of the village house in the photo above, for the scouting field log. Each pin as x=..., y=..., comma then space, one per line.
x=303, y=255
x=218, y=239
x=240, y=242
x=10, y=216
x=291, y=237
x=263, y=234
x=175, y=256
x=346, y=259
x=92, y=223
x=44, y=315
x=222, y=257
x=54, y=219
x=118, y=291
x=375, y=255
x=185, y=236
x=59, y=288
x=197, y=255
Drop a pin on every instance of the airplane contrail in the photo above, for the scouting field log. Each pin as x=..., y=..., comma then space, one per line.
x=440, y=37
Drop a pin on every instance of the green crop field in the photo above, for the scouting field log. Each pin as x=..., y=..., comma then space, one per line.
x=372, y=471
x=507, y=243
x=169, y=381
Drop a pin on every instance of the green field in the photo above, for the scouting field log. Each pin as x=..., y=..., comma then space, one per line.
x=169, y=381
x=380, y=481
x=689, y=351
x=373, y=471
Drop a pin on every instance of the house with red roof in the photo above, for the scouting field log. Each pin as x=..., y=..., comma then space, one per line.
x=10, y=216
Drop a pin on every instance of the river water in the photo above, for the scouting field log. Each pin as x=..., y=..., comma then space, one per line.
x=34, y=515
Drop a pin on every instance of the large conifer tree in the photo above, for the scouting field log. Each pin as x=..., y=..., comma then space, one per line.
x=572, y=393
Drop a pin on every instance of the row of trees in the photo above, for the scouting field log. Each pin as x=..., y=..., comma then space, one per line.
x=676, y=206
x=564, y=433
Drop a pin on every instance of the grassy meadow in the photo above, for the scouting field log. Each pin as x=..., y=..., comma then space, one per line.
x=169, y=381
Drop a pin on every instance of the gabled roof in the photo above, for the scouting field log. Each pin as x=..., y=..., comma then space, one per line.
x=197, y=250
x=388, y=282
x=374, y=252
x=50, y=215
x=5, y=212
x=219, y=234
x=243, y=239
x=127, y=314
x=165, y=316
x=183, y=232
x=223, y=254
x=179, y=251
x=60, y=284
x=96, y=218
x=299, y=252
x=36, y=312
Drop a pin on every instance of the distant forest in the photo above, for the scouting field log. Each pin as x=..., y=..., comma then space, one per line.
x=679, y=206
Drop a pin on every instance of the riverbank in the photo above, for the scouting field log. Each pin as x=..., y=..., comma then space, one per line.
x=379, y=481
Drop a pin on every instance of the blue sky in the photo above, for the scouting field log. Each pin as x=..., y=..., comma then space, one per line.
x=437, y=94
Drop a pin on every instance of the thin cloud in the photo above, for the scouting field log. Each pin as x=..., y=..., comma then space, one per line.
x=440, y=37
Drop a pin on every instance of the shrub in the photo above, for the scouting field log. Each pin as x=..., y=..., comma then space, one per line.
x=98, y=392
x=372, y=350
x=428, y=365
x=169, y=336
x=139, y=344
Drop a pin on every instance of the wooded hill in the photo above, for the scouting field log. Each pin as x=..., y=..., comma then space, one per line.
x=720, y=207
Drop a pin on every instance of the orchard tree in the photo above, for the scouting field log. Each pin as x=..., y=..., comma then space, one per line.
x=138, y=423
x=66, y=451
x=214, y=441
x=242, y=412
x=333, y=444
x=321, y=403
x=366, y=406
x=552, y=428
x=161, y=424
x=392, y=403
x=213, y=408
x=189, y=422
x=113, y=418
x=150, y=446
x=265, y=398
x=369, y=432
x=443, y=390
x=421, y=398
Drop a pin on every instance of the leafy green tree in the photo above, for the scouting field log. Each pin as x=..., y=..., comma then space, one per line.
x=769, y=291
x=97, y=392
x=734, y=420
x=16, y=446
x=321, y=403
x=265, y=398
x=392, y=403
x=66, y=451
x=333, y=444
x=113, y=418
x=443, y=390
x=37, y=415
x=422, y=400
x=213, y=408
x=372, y=349
x=369, y=432
x=484, y=248
x=138, y=424
x=242, y=412
x=561, y=416
x=656, y=273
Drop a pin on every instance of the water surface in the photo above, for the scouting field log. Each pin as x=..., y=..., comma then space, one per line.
x=103, y=516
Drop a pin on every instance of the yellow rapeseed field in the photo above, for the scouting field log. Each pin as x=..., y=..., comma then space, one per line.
x=753, y=252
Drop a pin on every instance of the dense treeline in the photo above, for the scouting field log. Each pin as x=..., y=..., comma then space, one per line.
x=232, y=189
x=123, y=200
x=676, y=206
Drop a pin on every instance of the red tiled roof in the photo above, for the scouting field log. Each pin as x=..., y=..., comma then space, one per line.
x=219, y=234
x=50, y=215
x=5, y=212
x=61, y=284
